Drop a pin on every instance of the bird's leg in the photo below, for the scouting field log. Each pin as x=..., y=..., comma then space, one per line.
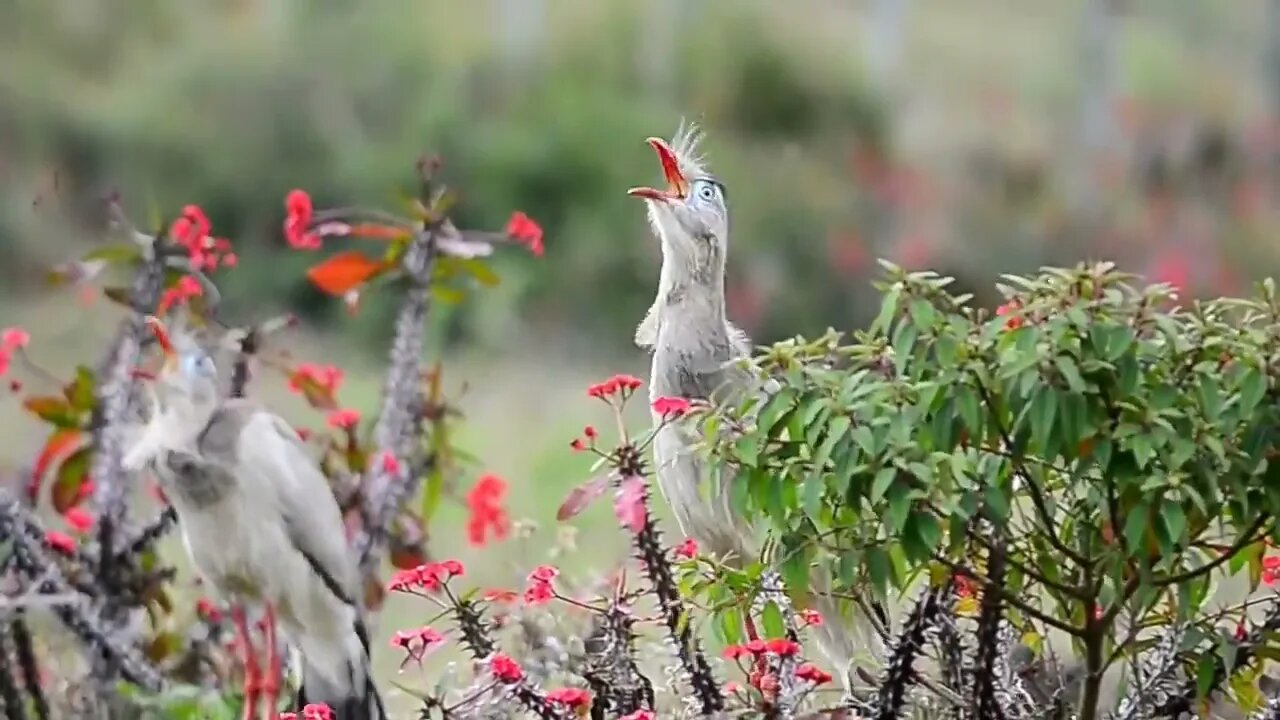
x=271, y=681
x=252, y=673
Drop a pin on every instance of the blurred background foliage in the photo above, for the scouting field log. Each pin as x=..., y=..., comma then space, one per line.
x=978, y=137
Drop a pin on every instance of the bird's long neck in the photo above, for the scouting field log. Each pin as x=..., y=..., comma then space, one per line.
x=691, y=286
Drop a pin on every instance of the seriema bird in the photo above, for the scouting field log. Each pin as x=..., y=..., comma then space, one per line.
x=262, y=527
x=694, y=347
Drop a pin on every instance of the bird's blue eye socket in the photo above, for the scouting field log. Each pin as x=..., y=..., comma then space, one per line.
x=707, y=190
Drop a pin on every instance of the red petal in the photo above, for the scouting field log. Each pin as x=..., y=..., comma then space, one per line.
x=57, y=444
x=343, y=272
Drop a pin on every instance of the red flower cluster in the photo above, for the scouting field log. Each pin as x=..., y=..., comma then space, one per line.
x=206, y=252
x=587, y=441
x=499, y=595
x=687, y=550
x=297, y=221
x=573, y=697
x=810, y=618
x=1271, y=570
x=328, y=377
x=670, y=407
x=428, y=576
x=1010, y=308
x=186, y=288
x=312, y=711
x=629, y=504
x=540, y=590
x=640, y=715
x=781, y=647
x=11, y=340
x=813, y=674
x=622, y=385
x=965, y=586
x=525, y=231
x=484, y=501
x=505, y=669
x=60, y=542
x=417, y=643
x=344, y=419
x=78, y=519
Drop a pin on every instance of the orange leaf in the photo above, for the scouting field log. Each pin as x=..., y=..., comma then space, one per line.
x=344, y=271
x=52, y=409
x=380, y=232
x=57, y=444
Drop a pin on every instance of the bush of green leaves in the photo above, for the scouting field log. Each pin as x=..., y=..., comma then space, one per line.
x=1114, y=449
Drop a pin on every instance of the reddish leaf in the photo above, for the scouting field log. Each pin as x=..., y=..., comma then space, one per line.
x=65, y=493
x=378, y=232
x=55, y=447
x=582, y=496
x=344, y=271
x=52, y=409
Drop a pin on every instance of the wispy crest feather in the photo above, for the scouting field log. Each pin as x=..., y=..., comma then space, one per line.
x=686, y=144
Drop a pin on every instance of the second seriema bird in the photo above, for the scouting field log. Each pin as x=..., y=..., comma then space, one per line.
x=695, y=349
x=262, y=527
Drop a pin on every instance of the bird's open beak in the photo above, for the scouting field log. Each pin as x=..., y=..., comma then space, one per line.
x=162, y=338
x=677, y=186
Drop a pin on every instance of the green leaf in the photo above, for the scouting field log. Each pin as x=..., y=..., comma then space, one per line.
x=1044, y=408
x=1174, y=520
x=775, y=409
x=899, y=507
x=1071, y=374
x=771, y=618
x=730, y=625
x=80, y=392
x=922, y=314
x=52, y=409
x=1252, y=388
x=71, y=476
x=814, y=488
x=836, y=430
x=1135, y=527
x=884, y=479
x=1210, y=397
x=921, y=536
x=115, y=253
x=888, y=311
x=879, y=569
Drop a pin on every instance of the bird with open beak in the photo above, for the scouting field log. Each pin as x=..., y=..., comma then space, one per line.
x=694, y=350
x=262, y=527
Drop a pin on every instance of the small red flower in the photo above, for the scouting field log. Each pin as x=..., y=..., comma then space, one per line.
x=14, y=338
x=544, y=573
x=767, y=683
x=590, y=433
x=756, y=647
x=452, y=568
x=5, y=359
x=670, y=407
x=1241, y=632
x=687, y=549
x=208, y=611
x=1271, y=570
x=287, y=716
x=328, y=377
x=78, y=519
x=573, y=697
x=525, y=231
x=505, y=669
x=622, y=385
x=417, y=643
x=317, y=711
x=344, y=419
x=810, y=618
x=297, y=222
x=539, y=592
x=577, y=445
x=488, y=517
x=735, y=652
x=186, y=288
x=1010, y=308
x=61, y=542
x=640, y=715
x=965, y=586
x=783, y=647
x=629, y=504
x=390, y=465
x=813, y=674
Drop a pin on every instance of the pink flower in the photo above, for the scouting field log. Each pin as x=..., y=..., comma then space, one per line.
x=417, y=643
x=186, y=288
x=544, y=573
x=14, y=338
x=207, y=610
x=78, y=519
x=783, y=647
x=539, y=592
x=5, y=359
x=573, y=697
x=344, y=419
x=618, y=384
x=670, y=407
x=505, y=669
x=525, y=231
x=687, y=549
x=297, y=222
x=640, y=715
x=629, y=504
x=390, y=465
x=1271, y=570
x=810, y=617
x=317, y=711
x=734, y=652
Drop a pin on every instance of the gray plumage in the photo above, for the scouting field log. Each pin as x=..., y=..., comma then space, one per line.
x=260, y=524
x=694, y=348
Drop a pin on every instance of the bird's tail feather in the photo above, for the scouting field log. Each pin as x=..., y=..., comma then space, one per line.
x=352, y=696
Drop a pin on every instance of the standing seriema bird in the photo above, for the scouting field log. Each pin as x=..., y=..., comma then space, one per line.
x=262, y=527
x=694, y=350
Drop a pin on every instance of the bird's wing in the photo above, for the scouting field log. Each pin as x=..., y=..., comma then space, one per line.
x=647, y=332
x=264, y=448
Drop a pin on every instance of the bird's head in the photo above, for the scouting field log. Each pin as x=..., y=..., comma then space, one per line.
x=690, y=215
x=189, y=376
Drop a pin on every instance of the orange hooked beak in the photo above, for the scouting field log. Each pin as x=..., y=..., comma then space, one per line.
x=162, y=338
x=677, y=185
